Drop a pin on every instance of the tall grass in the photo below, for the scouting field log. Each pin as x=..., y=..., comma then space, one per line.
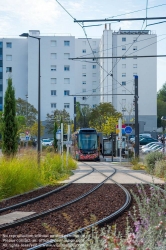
x=22, y=174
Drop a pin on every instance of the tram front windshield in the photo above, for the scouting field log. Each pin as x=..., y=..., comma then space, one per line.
x=88, y=141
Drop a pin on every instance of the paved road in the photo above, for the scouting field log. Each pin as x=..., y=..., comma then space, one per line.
x=120, y=176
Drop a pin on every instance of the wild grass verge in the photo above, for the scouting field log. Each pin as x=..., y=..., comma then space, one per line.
x=22, y=173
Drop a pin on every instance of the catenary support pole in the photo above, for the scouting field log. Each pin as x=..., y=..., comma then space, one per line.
x=136, y=119
x=74, y=114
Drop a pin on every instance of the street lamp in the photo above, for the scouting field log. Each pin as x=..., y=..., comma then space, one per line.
x=38, y=148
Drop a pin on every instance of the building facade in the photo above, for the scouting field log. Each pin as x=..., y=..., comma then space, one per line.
x=99, y=79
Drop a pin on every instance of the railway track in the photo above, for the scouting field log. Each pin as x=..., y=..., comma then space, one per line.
x=3, y=228
x=113, y=213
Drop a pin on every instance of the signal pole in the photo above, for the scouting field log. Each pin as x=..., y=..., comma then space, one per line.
x=74, y=114
x=136, y=118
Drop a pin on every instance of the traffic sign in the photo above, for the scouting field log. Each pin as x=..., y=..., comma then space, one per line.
x=128, y=130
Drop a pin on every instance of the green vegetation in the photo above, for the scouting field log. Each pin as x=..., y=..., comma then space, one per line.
x=161, y=106
x=9, y=123
x=151, y=159
x=22, y=174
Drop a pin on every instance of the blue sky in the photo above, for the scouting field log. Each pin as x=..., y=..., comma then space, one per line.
x=49, y=17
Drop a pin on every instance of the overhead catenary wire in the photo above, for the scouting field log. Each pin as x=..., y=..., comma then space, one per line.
x=113, y=20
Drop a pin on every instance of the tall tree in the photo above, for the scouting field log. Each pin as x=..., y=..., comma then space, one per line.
x=23, y=108
x=34, y=129
x=101, y=114
x=161, y=106
x=161, y=95
x=10, y=126
x=83, y=113
x=57, y=116
x=55, y=140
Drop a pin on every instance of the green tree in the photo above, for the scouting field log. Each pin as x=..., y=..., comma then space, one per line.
x=161, y=95
x=34, y=129
x=161, y=106
x=57, y=116
x=101, y=114
x=23, y=108
x=55, y=140
x=83, y=113
x=10, y=126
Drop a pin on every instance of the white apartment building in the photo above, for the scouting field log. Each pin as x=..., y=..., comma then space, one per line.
x=117, y=77
x=91, y=80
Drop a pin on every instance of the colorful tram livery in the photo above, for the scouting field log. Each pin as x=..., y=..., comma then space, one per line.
x=85, y=144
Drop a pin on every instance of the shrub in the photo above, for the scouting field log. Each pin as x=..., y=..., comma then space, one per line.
x=22, y=173
x=160, y=169
x=151, y=159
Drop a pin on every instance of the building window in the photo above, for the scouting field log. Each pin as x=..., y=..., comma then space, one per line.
x=123, y=57
x=53, y=80
x=8, y=45
x=66, y=55
x=84, y=82
x=94, y=105
x=84, y=51
x=123, y=74
x=135, y=48
x=84, y=98
x=66, y=92
x=53, y=105
x=66, y=68
x=53, y=92
x=1, y=69
x=94, y=74
x=93, y=66
x=66, y=105
x=93, y=90
x=8, y=57
x=134, y=39
x=83, y=66
x=53, y=67
x=123, y=39
x=53, y=43
x=66, y=43
x=1, y=87
x=123, y=83
x=66, y=80
x=134, y=74
x=84, y=90
x=84, y=74
x=8, y=69
x=134, y=65
x=123, y=66
x=135, y=57
x=53, y=56
x=123, y=47
x=94, y=51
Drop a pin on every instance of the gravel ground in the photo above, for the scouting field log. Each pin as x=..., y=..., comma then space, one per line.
x=101, y=203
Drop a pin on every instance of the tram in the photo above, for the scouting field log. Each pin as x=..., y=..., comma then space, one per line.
x=85, y=144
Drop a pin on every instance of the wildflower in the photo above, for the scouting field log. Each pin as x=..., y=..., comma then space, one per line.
x=137, y=226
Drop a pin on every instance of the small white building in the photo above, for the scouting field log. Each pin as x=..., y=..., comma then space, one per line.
x=91, y=80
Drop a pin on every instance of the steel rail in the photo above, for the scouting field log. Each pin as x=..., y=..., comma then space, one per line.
x=100, y=222
x=36, y=216
x=43, y=195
